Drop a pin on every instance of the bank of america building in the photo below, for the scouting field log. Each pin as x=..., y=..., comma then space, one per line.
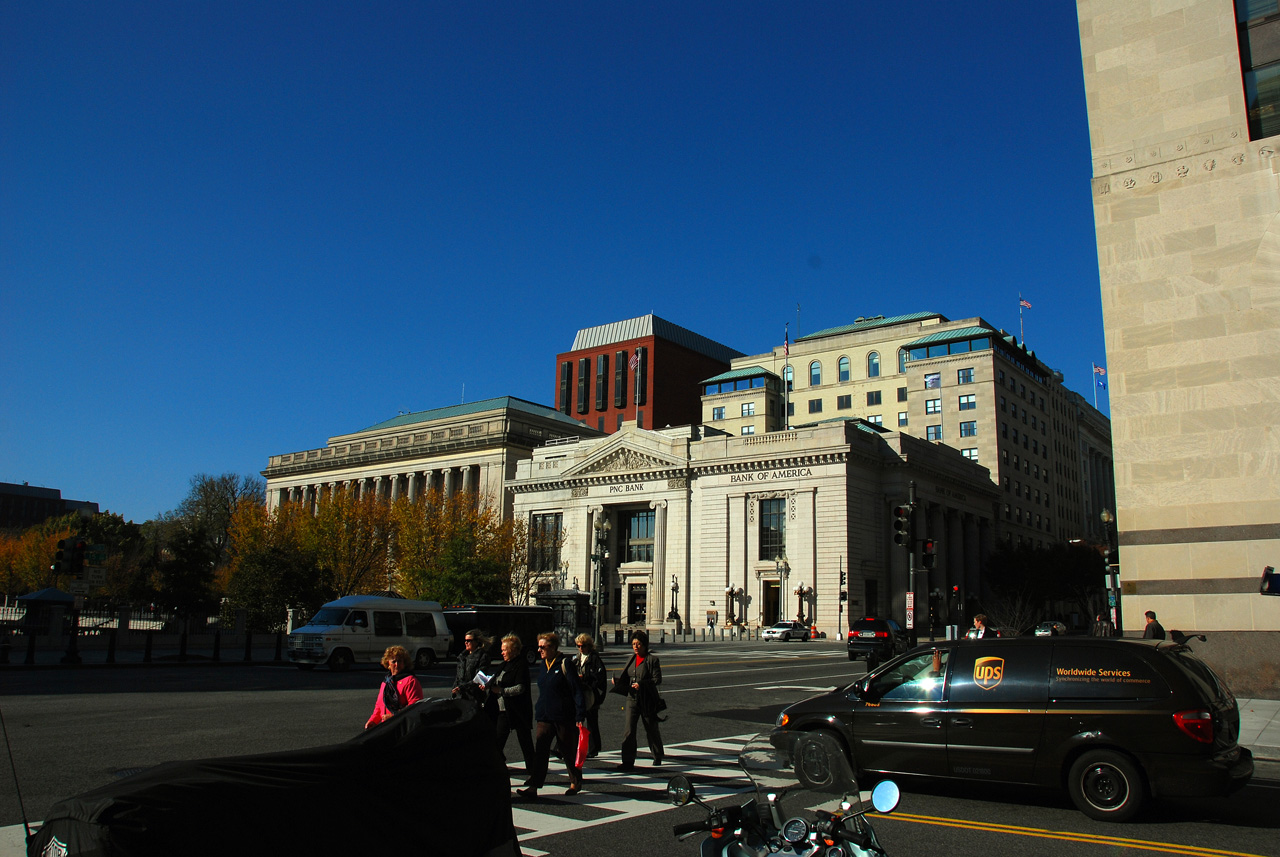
x=785, y=488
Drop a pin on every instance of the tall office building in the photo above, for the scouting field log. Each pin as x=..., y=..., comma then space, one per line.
x=962, y=383
x=1184, y=103
x=643, y=370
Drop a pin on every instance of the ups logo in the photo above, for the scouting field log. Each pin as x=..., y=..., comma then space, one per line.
x=987, y=672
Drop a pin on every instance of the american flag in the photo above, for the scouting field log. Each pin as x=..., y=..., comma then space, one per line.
x=1098, y=370
x=635, y=359
x=1024, y=302
x=786, y=347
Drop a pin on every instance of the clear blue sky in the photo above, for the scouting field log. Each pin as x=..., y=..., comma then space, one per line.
x=233, y=229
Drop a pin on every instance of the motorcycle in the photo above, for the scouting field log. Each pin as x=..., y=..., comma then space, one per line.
x=806, y=803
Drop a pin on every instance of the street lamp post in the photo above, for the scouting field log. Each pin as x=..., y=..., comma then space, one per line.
x=598, y=557
x=784, y=570
x=802, y=592
x=1112, y=572
x=673, y=615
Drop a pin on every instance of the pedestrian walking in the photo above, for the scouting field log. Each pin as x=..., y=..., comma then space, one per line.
x=1154, y=630
x=559, y=711
x=474, y=655
x=639, y=680
x=510, y=688
x=399, y=689
x=591, y=672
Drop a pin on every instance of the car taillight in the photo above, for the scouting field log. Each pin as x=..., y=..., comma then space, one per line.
x=1198, y=723
x=881, y=634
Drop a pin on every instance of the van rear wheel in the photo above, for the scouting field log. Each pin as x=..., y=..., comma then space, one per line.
x=1106, y=786
x=341, y=660
x=425, y=659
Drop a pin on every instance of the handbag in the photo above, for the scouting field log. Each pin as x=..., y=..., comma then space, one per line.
x=619, y=686
x=584, y=745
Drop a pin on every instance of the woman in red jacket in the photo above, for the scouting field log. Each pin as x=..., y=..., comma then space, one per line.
x=400, y=688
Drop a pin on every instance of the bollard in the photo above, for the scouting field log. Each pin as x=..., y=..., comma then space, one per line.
x=111, y=646
x=248, y=645
x=182, y=644
x=146, y=651
x=31, y=648
x=4, y=649
x=279, y=647
x=217, y=644
x=72, y=655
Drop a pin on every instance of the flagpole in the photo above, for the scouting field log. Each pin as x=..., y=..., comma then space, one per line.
x=1021, y=334
x=1093, y=376
x=786, y=386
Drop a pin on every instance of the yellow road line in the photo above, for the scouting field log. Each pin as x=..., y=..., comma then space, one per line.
x=1065, y=835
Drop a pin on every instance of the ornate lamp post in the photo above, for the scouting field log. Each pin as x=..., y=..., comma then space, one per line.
x=728, y=600
x=673, y=615
x=784, y=570
x=598, y=557
x=802, y=592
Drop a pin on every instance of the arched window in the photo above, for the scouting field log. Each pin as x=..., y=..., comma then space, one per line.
x=902, y=360
x=787, y=377
x=873, y=364
x=844, y=369
x=815, y=373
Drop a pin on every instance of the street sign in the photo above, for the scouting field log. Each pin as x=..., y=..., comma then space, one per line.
x=1111, y=598
x=911, y=609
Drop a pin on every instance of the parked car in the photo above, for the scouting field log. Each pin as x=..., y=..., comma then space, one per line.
x=786, y=632
x=1113, y=720
x=359, y=628
x=876, y=640
x=1050, y=629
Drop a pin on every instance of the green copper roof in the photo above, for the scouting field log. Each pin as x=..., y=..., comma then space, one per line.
x=953, y=335
x=499, y=403
x=735, y=374
x=869, y=324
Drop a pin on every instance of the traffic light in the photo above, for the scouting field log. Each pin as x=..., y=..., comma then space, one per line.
x=902, y=524
x=77, y=558
x=843, y=578
x=62, y=559
x=928, y=552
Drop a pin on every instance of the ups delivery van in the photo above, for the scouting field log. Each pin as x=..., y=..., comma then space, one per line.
x=357, y=629
x=1112, y=720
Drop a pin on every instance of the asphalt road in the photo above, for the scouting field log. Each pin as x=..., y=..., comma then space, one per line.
x=72, y=730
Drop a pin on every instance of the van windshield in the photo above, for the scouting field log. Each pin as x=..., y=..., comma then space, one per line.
x=328, y=616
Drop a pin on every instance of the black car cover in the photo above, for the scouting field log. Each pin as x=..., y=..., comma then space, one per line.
x=428, y=781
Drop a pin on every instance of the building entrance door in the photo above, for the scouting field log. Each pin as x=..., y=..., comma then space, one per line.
x=770, y=611
x=637, y=603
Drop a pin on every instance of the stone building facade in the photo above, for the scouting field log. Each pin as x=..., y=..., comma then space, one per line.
x=1183, y=103
x=704, y=526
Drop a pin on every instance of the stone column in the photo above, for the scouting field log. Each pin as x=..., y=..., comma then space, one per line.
x=468, y=485
x=377, y=487
x=413, y=487
x=450, y=484
x=657, y=580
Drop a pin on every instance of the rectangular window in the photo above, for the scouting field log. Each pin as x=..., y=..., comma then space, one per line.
x=544, y=542
x=933, y=406
x=964, y=376
x=717, y=413
x=971, y=453
x=844, y=403
x=773, y=528
x=746, y=430
x=748, y=409
x=791, y=409
x=902, y=418
x=873, y=398
x=876, y=420
x=902, y=394
x=620, y=379
x=621, y=417
x=602, y=381
x=969, y=429
x=639, y=419
x=387, y=624
x=566, y=387
x=933, y=381
x=968, y=403
x=933, y=432
x=815, y=406
x=637, y=535
x=584, y=366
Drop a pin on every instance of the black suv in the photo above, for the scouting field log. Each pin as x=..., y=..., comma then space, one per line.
x=1113, y=720
x=876, y=640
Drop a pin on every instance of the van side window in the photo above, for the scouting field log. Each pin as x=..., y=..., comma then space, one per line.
x=999, y=673
x=387, y=624
x=420, y=624
x=358, y=619
x=919, y=679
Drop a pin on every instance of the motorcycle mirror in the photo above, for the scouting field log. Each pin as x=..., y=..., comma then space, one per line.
x=885, y=796
x=680, y=790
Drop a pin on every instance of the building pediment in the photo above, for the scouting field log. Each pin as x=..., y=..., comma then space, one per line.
x=623, y=454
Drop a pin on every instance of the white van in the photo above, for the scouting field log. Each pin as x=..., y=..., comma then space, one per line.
x=359, y=628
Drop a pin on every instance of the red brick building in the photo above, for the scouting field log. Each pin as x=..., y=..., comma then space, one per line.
x=644, y=369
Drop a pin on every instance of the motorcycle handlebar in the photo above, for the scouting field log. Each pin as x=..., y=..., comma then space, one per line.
x=688, y=827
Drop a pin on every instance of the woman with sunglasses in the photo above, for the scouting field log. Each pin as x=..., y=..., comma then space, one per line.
x=510, y=687
x=591, y=672
x=475, y=654
x=559, y=711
